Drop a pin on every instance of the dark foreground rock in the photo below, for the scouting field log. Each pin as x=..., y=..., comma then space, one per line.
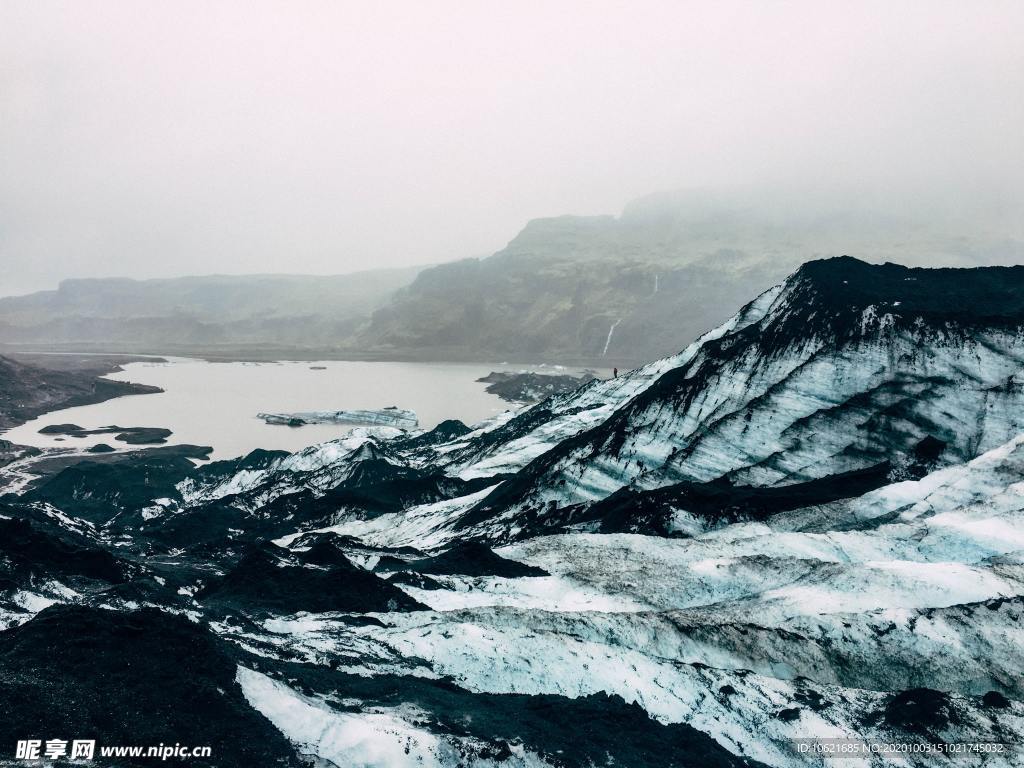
x=28, y=554
x=139, y=678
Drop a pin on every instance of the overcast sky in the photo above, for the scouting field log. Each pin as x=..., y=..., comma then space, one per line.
x=166, y=138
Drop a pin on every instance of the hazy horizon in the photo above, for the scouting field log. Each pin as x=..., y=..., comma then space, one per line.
x=163, y=140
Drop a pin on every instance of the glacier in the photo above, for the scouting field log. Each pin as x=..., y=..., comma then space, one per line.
x=807, y=524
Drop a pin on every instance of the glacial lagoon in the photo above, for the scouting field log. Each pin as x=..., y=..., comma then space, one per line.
x=216, y=403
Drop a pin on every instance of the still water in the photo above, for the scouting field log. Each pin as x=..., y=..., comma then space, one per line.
x=216, y=403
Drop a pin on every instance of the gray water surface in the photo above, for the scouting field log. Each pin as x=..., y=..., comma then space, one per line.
x=216, y=403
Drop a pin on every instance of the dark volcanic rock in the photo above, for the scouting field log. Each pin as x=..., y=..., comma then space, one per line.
x=325, y=551
x=10, y=452
x=100, y=448
x=268, y=579
x=995, y=700
x=140, y=678
x=27, y=391
x=100, y=487
x=527, y=387
x=130, y=435
x=61, y=429
x=374, y=486
x=27, y=552
x=585, y=731
x=920, y=710
x=472, y=558
x=257, y=459
x=332, y=549
x=143, y=435
x=632, y=511
x=347, y=543
x=144, y=590
x=442, y=433
x=413, y=579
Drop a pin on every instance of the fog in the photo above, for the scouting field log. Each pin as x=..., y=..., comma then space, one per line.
x=159, y=139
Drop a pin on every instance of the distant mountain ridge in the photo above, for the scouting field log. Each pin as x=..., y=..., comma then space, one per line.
x=629, y=289
x=611, y=291
x=197, y=312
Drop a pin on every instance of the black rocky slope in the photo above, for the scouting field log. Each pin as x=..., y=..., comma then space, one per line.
x=135, y=678
x=29, y=553
x=472, y=558
x=26, y=391
x=103, y=486
x=270, y=579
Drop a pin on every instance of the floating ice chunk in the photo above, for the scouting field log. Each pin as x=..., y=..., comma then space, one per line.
x=391, y=416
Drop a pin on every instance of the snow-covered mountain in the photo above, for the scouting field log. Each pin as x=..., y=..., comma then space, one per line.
x=842, y=367
x=809, y=524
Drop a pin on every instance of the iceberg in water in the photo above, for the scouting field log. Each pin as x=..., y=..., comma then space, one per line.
x=391, y=417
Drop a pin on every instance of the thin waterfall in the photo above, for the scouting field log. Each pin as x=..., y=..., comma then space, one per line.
x=609, y=339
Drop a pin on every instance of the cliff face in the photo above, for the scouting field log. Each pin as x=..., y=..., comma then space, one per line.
x=588, y=289
x=630, y=289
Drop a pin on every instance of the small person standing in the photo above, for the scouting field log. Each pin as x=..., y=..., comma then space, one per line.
x=615, y=373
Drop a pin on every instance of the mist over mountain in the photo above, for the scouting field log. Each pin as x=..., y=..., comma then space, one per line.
x=611, y=290
x=199, y=313
x=632, y=288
